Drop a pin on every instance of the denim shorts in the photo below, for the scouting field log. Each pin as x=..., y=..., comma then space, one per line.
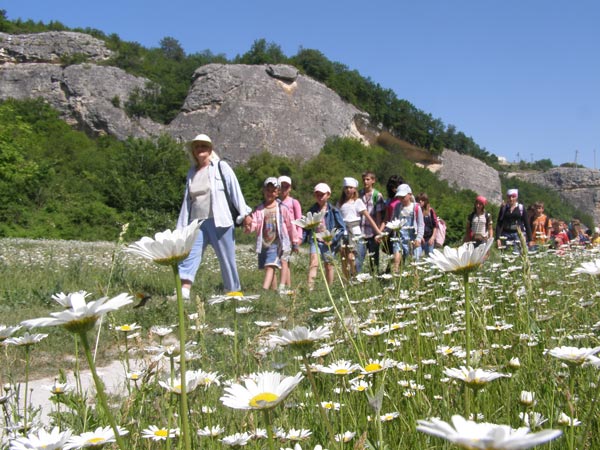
x=326, y=254
x=269, y=257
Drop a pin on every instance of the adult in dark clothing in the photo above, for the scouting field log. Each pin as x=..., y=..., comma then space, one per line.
x=512, y=216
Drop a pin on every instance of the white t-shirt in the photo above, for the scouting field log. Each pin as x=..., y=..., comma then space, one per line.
x=351, y=213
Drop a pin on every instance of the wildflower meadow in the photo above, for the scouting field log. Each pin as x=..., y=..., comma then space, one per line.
x=472, y=348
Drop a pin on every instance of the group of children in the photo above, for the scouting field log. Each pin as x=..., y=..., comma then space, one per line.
x=355, y=227
x=537, y=228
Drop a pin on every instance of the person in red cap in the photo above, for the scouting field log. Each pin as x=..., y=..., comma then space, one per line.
x=479, y=223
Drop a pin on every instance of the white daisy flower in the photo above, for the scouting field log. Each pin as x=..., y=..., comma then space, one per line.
x=473, y=435
x=265, y=392
x=168, y=247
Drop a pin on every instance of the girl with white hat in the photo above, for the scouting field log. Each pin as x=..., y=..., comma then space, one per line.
x=352, y=209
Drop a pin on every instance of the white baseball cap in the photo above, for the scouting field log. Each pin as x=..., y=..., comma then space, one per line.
x=403, y=190
x=322, y=187
x=284, y=179
x=271, y=180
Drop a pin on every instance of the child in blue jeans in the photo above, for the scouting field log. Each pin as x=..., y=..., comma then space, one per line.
x=275, y=234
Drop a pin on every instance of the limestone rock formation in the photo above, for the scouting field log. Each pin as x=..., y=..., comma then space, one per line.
x=466, y=172
x=51, y=47
x=245, y=109
x=248, y=109
x=580, y=187
x=87, y=95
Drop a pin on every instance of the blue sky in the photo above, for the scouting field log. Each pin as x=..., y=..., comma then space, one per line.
x=522, y=77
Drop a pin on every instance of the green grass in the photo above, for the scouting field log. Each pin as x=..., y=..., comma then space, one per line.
x=423, y=309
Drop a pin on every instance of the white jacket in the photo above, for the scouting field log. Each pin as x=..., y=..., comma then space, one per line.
x=220, y=208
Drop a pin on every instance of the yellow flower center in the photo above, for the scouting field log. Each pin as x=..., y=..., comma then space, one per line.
x=341, y=371
x=161, y=433
x=263, y=399
x=125, y=328
x=373, y=367
x=95, y=440
x=234, y=294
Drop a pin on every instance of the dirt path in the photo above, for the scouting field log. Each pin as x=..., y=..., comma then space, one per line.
x=112, y=375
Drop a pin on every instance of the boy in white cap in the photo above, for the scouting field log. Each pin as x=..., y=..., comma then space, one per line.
x=275, y=233
x=285, y=187
x=332, y=219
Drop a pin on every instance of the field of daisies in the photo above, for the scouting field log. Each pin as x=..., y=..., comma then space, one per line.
x=473, y=348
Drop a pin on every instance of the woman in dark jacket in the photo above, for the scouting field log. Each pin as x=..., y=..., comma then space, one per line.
x=512, y=216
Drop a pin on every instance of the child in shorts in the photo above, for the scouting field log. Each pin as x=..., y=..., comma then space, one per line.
x=275, y=234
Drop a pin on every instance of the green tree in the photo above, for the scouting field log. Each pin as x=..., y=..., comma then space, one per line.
x=262, y=52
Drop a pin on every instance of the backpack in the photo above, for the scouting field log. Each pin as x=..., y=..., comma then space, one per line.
x=440, y=236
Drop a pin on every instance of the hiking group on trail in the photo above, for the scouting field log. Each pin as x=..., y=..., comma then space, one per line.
x=361, y=224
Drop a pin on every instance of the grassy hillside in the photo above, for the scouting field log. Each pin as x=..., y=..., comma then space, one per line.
x=59, y=183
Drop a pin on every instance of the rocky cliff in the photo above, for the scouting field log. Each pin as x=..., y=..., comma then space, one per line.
x=466, y=172
x=245, y=109
x=580, y=187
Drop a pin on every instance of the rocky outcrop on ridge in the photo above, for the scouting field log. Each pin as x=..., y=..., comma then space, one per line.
x=578, y=186
x=466, y=172
x=249, y=109
x=245, y=109
x=51, y=47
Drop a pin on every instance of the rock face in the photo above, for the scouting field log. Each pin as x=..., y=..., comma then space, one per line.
x=249, y=109
x=85, y=94
x=580, y=187
x=51, y=47
x=466, y=172
x=245, y=109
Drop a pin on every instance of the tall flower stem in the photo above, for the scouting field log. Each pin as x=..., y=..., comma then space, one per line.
x=467, y=337
x=267, y=415
x=185, y=424
x=100, y=388
x=235, y=336
x=313, y=386
x=27, y=352
x=572, y=411
x=330, y=296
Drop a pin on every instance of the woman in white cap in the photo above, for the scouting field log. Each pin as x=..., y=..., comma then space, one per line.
x=332, y=220
x=352, y=209
x=285, y=187
x=512, y=217
x=208, y=184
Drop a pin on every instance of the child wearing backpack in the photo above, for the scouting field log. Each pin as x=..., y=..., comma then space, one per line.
x=353, y=210
x=430, y=221
x=375, y=203
x=412, y=228
x=479, y=223
x=275, y=234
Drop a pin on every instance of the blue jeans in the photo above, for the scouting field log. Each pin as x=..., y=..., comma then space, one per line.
x=370, y=246
x=222, y=241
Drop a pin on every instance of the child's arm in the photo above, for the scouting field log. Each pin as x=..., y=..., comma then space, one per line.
x=251, y=222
